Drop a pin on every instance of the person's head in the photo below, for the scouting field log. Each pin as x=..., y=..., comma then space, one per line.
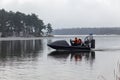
x=90, y=34
x=75, y=37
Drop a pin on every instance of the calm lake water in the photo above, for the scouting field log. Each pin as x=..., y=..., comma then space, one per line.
x=32, y=59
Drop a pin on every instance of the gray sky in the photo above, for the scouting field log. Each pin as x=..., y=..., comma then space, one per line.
x=70, y=13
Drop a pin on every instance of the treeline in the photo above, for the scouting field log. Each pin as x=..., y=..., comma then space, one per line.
x=86, y=31
x=20, y=24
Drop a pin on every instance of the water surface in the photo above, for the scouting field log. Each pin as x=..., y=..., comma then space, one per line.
x=32, y=59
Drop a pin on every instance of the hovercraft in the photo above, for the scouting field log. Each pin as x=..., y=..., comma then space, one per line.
x=87, y=45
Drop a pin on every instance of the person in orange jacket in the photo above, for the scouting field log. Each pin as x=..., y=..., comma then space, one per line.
x=77, y=41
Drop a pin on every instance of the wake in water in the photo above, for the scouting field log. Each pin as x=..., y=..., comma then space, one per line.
x=107, y=49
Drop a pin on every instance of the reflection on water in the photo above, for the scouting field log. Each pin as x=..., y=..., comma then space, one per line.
x=76, y=56
x=80, y=55
x=20, y=49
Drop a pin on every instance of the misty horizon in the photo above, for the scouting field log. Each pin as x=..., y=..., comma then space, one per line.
x=69, y=13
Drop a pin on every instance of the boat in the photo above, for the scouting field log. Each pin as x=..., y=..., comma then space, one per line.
x=63, y=45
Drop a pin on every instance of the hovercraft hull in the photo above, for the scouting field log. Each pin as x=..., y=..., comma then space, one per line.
x=70, y=48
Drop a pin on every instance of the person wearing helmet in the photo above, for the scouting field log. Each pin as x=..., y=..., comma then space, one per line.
x=88, y=39
x=90, y=36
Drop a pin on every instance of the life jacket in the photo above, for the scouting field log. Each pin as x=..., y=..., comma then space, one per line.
x=79, y=41
x=75, y=41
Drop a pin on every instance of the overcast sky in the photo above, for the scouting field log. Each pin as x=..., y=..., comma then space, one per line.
x=70, y=13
